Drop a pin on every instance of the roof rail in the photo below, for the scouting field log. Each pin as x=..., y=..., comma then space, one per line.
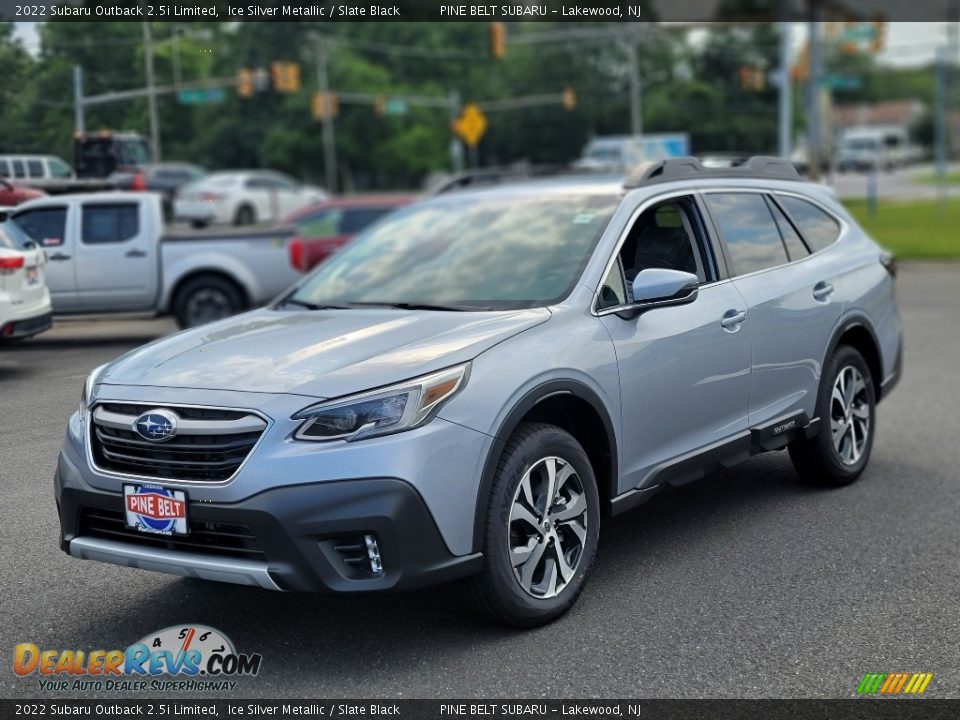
x=485, y=177
x=761, y=167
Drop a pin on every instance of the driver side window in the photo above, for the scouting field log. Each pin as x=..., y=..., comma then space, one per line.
x=667, y=235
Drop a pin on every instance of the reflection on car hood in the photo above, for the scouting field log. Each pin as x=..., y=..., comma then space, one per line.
x=319, y=353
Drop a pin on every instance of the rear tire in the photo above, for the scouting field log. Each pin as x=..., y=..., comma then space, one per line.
x=846, y=406
x=537, y=553
x=205, y=299
x=245, y=216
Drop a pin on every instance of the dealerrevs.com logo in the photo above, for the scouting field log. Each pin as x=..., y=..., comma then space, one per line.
x=202, y=656
x=903, y=683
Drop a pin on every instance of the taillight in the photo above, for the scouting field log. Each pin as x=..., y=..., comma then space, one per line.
x=139, y=182
x=10, y=264
x=295, y=248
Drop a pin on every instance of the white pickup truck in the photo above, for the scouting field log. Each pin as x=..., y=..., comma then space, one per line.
x=108, y=253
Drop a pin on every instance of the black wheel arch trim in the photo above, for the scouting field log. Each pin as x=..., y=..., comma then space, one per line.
x=856, y=320
x=526, y=403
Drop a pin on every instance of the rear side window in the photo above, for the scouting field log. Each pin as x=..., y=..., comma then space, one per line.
x=45, y=226
x=18, y=169
x=35, y=168
x=818, y=228
x=4, y=168
x=355, y=220
x=109, y=223
x=749, y=231
x=791, y=238
x=58, y=168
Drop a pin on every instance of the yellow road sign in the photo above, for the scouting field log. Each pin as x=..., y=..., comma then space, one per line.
x=471, y=125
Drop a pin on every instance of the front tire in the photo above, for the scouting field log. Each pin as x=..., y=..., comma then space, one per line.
x=846, y=406
x=541, y=529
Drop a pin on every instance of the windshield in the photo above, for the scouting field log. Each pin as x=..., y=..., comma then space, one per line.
x=467, y=253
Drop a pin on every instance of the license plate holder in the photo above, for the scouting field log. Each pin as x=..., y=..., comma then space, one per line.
x=155, y=510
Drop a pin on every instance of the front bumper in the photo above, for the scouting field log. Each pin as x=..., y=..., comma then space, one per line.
x=298, y=537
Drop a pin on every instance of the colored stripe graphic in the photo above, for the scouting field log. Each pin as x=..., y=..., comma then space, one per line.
x=894, y=683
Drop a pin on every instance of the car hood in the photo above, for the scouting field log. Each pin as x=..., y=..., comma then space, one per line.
x=319, y=353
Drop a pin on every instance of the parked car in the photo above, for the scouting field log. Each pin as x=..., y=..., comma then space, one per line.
x=108, y=253
x=474, y=385
x=243, y=198
x=163, y=178
x=11, y=194
x=35, y=167
x=24, y=299
x=322, y=229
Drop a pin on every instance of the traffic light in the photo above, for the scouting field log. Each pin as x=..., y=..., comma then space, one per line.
x=752, y=78
x=498, y=40
x=879, y=35
x=324, y=105
x=285, y=76
x=800, y=70
x=245, y=83
x=569, y=98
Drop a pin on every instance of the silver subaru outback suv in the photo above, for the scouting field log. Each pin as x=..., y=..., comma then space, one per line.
x=475, y=383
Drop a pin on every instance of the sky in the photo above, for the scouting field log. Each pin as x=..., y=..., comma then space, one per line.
x=908, y=43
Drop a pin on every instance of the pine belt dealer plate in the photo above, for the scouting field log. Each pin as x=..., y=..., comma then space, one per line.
x=155, y=510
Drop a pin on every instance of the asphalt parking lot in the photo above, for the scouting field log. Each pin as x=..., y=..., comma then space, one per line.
x=745, y=584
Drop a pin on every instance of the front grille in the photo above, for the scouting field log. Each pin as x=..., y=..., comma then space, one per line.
x=206, y=538
x=209, y=445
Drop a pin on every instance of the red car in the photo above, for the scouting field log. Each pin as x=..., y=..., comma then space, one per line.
x=325, y=227
x=11, y=194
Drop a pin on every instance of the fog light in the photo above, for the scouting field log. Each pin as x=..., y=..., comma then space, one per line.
x=373, y=554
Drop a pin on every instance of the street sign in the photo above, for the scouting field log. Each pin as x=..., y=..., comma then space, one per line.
x=200, y=96
x=471, y=125
x=841, y=82
x=395, y=106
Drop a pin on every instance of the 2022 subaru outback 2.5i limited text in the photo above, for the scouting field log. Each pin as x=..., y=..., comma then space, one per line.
x=476, y=382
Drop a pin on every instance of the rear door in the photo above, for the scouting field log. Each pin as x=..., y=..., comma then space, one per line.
x=47, y=226
x=116, y=256
x=792, y=301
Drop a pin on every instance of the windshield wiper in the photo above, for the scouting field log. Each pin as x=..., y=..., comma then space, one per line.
x=313, y=306
x=421, y=306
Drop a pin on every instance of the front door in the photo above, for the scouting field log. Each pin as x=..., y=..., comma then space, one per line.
x=684, y=370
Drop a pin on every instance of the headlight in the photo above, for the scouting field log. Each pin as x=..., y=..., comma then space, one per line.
x=382, y=412
x=87, y=390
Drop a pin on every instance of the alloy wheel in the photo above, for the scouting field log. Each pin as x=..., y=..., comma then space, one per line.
x=547, y=527
x=208, y=305
x=849, y=415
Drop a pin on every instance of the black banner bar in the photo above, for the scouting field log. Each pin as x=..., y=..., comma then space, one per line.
x=160, y=709
x=335, y=11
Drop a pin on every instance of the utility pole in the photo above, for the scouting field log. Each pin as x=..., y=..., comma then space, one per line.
x=813, y=93
x=329, y=140
x=151, y=95
x=784, y=90
x=636, y=109
x=79, y=123
x=456, y=148
x=940, y=126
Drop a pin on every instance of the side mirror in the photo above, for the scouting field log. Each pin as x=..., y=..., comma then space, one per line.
x=659, y=287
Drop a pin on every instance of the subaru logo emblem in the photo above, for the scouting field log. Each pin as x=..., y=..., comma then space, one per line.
x=156, y=425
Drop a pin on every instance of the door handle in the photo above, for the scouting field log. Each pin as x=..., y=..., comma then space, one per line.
x=58, y=257
x=732, y=319
x=136, y=253
x=822, y=290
